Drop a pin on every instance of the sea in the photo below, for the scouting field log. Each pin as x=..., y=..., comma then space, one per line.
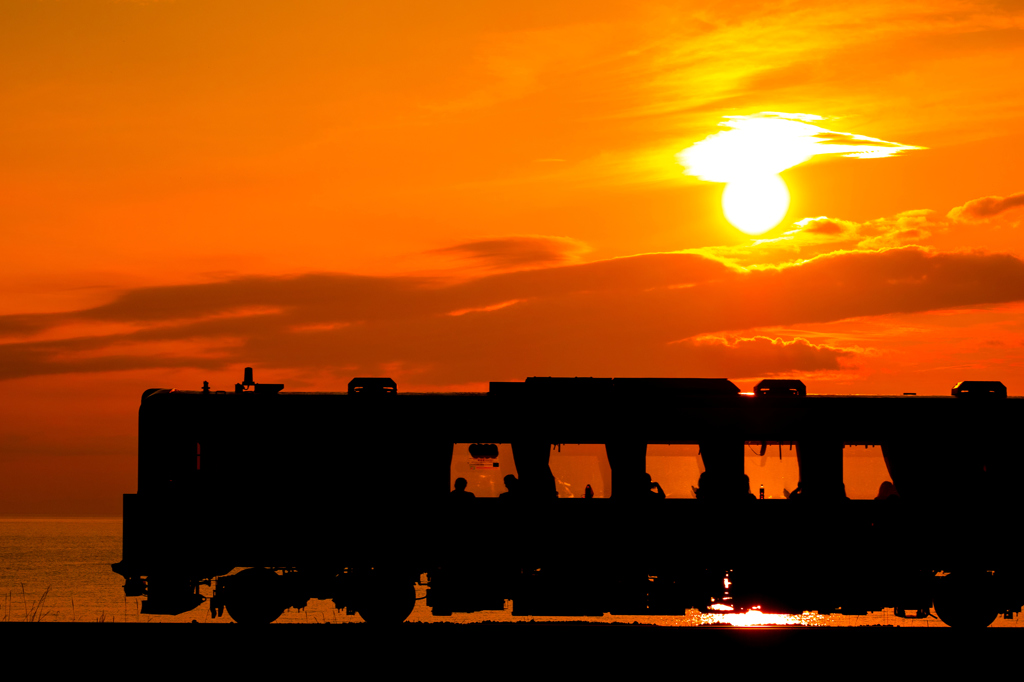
x=58, y=570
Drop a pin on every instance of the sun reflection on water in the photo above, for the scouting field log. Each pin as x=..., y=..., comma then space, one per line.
x=722, y=614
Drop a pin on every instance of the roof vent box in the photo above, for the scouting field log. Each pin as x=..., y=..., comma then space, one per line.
x=979, y=389
x=372, y=386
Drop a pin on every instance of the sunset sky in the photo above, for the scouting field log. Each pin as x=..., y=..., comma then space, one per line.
x=455, y=193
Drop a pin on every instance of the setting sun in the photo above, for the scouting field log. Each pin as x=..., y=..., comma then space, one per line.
x=757, y=203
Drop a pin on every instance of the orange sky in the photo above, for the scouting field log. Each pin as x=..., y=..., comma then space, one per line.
x=454, y=193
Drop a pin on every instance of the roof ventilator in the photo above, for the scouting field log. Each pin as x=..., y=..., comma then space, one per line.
x=248, y=383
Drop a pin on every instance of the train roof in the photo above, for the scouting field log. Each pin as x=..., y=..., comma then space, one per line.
x=600, y=387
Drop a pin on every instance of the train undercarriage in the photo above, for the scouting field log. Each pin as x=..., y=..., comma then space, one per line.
x=587, y=558
x=965, y=598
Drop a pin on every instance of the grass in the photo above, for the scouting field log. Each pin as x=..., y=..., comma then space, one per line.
x=34, y=614
x=35, y=611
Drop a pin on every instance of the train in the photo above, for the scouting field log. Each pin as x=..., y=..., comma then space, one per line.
x=271, y=498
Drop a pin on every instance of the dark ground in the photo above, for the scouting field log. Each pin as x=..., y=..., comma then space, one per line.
x=505, y=650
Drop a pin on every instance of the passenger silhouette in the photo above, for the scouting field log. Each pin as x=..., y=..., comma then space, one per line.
x=653, y=489
x=460, y=492
x=746, y=486
x=701, y=483
x=512, y=488
x=588, y=493
x=706, y=488
x=887, y=491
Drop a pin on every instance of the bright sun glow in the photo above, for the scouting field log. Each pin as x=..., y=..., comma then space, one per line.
x=754, y=618
x=756, y=203
x=752, y=150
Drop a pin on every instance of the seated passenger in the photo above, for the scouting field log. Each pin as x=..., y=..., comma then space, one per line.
x=653, y=489
x=887, y=491
x=707, y=488
x=460, y=492
x=748, y=494
x=512, y=487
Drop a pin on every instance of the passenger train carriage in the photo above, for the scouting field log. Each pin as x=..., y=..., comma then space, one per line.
x=346, y=496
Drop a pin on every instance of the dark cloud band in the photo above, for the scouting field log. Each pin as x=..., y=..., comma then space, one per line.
x=625, y=316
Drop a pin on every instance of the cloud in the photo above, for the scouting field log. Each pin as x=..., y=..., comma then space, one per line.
x=822, y=235
x=986, y=207
x=20, y=325
x=513, y=252
x=824, y=226
x=813, y=237
x=637, y=316
x=763, y=356
x=908, y=227
x=860, y=141
x=770, y=142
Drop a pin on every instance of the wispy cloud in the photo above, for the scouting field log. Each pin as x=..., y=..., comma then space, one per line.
x=769, y=142
x=822, y=235
x=518, y=251
x=986, y=207
x=765, y=355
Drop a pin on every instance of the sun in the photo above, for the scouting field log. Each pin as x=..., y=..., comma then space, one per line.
x=753, y=149
x=755, y=204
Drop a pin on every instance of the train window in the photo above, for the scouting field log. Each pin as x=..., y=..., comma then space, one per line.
x=577, y=466
x=484, y=475
x=864, y=471
x=776, y=470
x=677, y=468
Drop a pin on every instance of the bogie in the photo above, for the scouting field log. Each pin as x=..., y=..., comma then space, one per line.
x=253, y=596
x=966, y=599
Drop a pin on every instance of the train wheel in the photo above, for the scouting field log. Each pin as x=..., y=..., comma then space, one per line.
x=966, y=600
x=387, y=602
x=255, y=597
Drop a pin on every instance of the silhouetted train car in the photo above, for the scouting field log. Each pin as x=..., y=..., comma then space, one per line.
x=346, y=497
